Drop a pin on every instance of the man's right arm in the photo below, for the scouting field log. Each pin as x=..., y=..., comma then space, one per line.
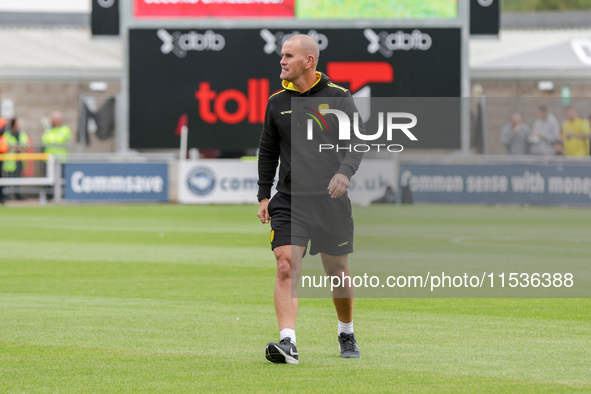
x=506, y=135
x=267, y=165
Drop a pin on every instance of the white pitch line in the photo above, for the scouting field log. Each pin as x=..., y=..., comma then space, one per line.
x=128, y=229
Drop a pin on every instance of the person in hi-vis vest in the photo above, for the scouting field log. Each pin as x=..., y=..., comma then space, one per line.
x=3, y=149
x=57, y=139
x=18, y=142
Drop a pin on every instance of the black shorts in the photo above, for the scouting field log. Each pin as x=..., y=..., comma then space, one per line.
x=326, y=221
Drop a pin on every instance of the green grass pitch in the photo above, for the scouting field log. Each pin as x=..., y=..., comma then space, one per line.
x=375, y=9
x=178, y=299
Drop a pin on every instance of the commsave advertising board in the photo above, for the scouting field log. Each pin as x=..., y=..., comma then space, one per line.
x=116, y=182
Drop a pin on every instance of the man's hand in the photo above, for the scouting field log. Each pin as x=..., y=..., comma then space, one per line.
x=338, y=185
x=263, y=213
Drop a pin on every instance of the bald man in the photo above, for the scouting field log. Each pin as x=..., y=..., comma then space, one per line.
x=56, y=140
x=320, y=211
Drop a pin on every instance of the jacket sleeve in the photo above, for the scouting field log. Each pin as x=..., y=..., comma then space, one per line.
x=352, y=159
x=507, y=135
x=268, y=155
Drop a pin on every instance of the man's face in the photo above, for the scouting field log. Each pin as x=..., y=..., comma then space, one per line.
x=515, y=120
x=56, y=121
x=571, y=114
x=293, y=61
x=541, y=114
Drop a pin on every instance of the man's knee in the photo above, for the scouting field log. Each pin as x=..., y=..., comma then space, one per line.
x=283, y=265
x=283, y=269
x=339, y=273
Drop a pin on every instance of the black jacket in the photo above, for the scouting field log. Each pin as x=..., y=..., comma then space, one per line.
x=304, y=169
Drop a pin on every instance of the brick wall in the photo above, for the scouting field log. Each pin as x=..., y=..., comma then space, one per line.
x=35, y=100
x=505, y=97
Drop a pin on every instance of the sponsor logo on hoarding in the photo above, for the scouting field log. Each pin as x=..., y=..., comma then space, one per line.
x=179, y=44
x=359, y=74
x=249, y=106
x=82, y=183
x=274, y=42
x=201, y=180
x=386, y=43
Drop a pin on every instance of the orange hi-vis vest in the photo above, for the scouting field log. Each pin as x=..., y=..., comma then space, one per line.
x=3, y=145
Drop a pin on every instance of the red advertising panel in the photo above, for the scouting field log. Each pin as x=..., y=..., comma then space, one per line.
x=213, y=8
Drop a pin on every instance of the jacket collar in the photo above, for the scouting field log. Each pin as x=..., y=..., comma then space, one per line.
x=289, y=86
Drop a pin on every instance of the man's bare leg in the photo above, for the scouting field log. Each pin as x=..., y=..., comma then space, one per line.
x=342, y=298
x=289, y=263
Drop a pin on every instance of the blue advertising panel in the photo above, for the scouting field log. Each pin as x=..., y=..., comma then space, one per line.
x=497, y=183
x=116, y=182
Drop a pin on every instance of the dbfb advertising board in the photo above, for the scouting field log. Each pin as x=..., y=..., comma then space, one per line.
x=221, y=79
x=116, y=182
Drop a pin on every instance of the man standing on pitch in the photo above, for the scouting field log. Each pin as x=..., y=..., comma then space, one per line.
x=322, y=211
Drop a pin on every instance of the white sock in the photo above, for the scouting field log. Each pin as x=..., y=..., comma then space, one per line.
x=347, y=328
x=288, y=332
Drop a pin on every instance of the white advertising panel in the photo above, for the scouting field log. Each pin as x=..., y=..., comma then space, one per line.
x=218, y=182
x=235, y=181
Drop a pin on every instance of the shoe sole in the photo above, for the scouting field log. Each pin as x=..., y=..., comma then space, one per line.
x=278, y=356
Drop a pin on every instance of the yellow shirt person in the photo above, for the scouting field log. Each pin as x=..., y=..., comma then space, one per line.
x=575, y=134
x=56, y=140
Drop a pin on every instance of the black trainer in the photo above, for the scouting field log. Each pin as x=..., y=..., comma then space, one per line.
x=283, y=352
x=348, y=345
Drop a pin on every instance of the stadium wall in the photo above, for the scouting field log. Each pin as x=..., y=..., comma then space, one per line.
x=34, y=100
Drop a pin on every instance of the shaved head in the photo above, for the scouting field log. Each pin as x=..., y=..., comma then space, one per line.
x=56, y=118
x=308, y=45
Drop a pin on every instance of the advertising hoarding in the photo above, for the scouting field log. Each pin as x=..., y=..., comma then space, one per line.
x=221, y=79
x=235, y=181
x=298, y=9
x=116, y=182
x=498, y=183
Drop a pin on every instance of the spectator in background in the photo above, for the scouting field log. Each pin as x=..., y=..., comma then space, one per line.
x=57, y=139
x=18, y=141
x=589, y=140
x=545, y=133
x=3, y=149
x=575, y=134
x=559, y=148
x=515, y=136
